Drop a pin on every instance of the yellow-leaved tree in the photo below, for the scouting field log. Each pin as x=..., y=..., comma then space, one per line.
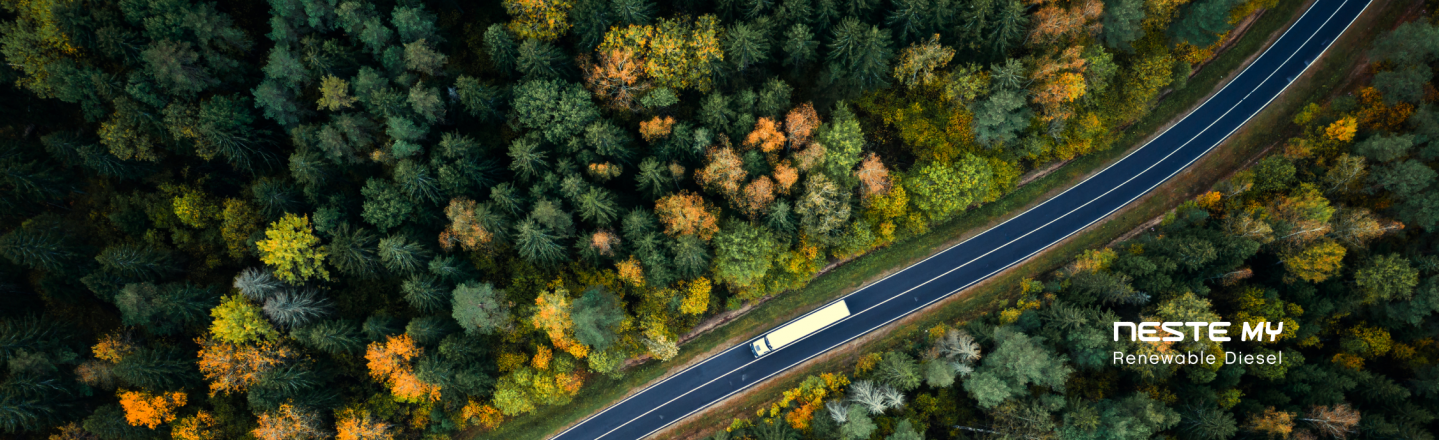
x=292, y=249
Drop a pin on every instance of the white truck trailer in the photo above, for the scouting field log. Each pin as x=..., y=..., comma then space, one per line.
x=804, y=326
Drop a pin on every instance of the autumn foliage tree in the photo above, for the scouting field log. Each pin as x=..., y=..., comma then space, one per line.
x=617, y=78
x=539, y=19
x=765, y=136
x=292, y=249
x=800, y=123
x=150, y=409
x=723, y=171
x=289, y=422
x=686, y=213
x=392, y=362
x=467, y=227
x=675, y=52
x=234, y=368
x=917, y=64
x=1058, y=82
x=1054, y=23
x=873, y=176
x=359, y=424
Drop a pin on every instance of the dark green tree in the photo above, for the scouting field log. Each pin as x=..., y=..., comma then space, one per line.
x=352, y=251
x=425, y=294
x=539, y=60
x=385, y=207
x=157, y=368
x=1122, y=20
x=401, y=255
x=501, y=48
x=39, y=244
x=1201, y=22
x=335, y=337
x=745, y=46
x=800, y=47
x=637, y=12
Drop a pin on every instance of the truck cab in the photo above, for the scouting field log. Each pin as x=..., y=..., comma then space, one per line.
x=759, y=346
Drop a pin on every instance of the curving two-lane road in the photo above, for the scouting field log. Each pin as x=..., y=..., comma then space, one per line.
x=1010, y=243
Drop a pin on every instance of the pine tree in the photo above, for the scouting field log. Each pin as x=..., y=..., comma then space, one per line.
x=500, y=46
x=799, y=46
x=31, y=334
x=597, y=206
x=256, y=283
x=425, y=294
x=1008, y=26
x=537, y=244
x=898, y=370
x=352, y=251
x=597, y=315
x=417, y=181
x=157, y=369
x=910, y=19
x=295, y=308
x=428, y=330
x=274, y=197
x=654, y=179
x=334, y=337
x=745, y=46
x=1208, y=423
x=39, y=244
x=537, y=59
x=137, y=261
x=402, y=256
x=632, y=12
x=691, y=255
x=527, y=159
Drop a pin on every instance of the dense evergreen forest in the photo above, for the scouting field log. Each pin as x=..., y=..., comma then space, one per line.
x=1331, y=235
x=368, y=219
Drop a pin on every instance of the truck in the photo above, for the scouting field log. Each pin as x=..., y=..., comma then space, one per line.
x=788, y=333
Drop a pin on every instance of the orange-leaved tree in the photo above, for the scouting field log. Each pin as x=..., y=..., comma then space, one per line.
x=200, y=426
x=617, y=77
x=800, y=124
x=392, y=363
x=686, y=213
x=766, y=136
x=873, y=176
x=359, y=424
x=234, y=367
x=150, y=409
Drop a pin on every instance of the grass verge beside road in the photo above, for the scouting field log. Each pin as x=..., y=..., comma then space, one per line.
x=603, y=391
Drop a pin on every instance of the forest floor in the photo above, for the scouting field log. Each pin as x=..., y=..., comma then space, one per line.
x=1333, y=72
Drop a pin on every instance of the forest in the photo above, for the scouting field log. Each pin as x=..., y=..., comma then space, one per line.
x=1330, y=235
x=374, y=219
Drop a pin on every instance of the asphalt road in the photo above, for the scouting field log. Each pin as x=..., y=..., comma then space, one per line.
x=1010, y=243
